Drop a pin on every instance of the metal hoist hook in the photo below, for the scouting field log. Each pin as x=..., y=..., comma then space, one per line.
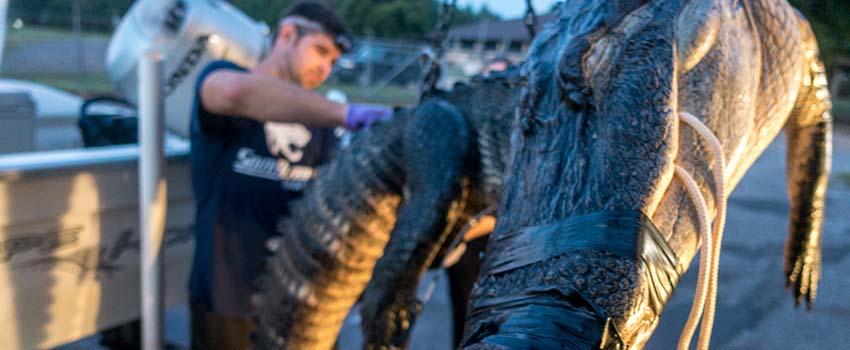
x=530, y=20
x=438, y=41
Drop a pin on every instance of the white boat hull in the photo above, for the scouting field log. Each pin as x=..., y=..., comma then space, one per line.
x=69, y=262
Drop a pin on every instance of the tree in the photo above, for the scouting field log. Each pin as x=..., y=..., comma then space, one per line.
x=263, y=10
x=830, y=21
x=409, y=19
x=404, y=19
x=467, y=14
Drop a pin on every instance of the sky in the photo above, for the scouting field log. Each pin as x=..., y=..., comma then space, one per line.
x=509, y=8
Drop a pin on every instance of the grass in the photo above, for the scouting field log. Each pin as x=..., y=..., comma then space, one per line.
x=94, y=84
x=391, y=95
x=33, y=35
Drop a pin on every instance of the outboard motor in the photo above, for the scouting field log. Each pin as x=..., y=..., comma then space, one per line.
x=189, y=34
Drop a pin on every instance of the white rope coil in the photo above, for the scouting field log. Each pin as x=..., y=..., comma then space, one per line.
x=705, y=298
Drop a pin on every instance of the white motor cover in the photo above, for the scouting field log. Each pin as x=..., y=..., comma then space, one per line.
x=188, y=34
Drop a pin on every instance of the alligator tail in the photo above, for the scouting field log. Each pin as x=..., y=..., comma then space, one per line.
x=330, y=242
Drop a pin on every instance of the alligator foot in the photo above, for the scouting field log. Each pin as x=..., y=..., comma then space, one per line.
x=388, y=319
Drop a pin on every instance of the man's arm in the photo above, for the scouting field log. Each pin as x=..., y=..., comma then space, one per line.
x=263, y=98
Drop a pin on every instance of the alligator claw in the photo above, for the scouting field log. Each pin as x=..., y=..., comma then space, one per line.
x=388, y=321
x=802, y=272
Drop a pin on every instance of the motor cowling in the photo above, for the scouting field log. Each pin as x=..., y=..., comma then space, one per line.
x=188, y=34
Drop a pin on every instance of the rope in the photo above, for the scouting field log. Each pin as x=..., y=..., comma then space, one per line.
x=438, y=42
x=703, y=279
x=530, y=20
x=455, y=251
x=705, y=299
x=458, y=246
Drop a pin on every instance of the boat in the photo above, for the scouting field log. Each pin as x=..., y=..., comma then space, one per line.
x=69, y=215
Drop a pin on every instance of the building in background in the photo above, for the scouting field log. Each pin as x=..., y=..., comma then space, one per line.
x=470, y=46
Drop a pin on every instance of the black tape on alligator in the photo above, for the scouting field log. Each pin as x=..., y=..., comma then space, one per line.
x=537, y=318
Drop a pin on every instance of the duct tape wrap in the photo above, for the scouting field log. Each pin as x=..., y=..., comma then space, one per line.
x=555, y=314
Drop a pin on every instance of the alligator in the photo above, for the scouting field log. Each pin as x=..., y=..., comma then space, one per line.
x=597, y=223
x=391, y=201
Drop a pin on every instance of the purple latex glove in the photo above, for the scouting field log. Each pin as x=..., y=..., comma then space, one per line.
x=361, y=115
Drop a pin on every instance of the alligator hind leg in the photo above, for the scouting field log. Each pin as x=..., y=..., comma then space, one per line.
x=435, y=149
x=809, y=151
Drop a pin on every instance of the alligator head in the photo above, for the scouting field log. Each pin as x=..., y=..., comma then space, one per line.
x=551, y=267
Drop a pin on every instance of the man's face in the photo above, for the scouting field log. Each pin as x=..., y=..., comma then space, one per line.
x=497, y=66
x=310, y=58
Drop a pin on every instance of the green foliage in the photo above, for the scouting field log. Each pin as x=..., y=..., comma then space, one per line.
x=409, y=19
x=467, y=14
x=393, y=18
x=830, y=20
x=406, y=19
x=264, y=10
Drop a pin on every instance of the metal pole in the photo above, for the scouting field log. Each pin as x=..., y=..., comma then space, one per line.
x=4, y=6
x=152, y=194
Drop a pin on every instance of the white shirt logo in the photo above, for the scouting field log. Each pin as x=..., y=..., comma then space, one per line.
x=287, y=140
x=286, y=143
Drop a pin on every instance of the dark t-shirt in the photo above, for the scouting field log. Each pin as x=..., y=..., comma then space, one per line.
x=243, y=174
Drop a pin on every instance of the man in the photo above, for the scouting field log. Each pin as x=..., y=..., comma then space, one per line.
x=462, y=275
x=255, y=143
x=497, y=64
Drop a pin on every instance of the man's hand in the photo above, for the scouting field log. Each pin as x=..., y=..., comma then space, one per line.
x=362, y=115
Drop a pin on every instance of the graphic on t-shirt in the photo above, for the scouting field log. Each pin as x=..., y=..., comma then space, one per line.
x=293, y=177
x=287, y=140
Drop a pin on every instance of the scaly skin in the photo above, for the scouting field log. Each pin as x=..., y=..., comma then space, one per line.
x=406, y=185
x=599, y=132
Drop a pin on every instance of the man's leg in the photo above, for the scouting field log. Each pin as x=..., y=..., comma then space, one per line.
x=462, y=276
x=127, y=336
x=218, y=332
